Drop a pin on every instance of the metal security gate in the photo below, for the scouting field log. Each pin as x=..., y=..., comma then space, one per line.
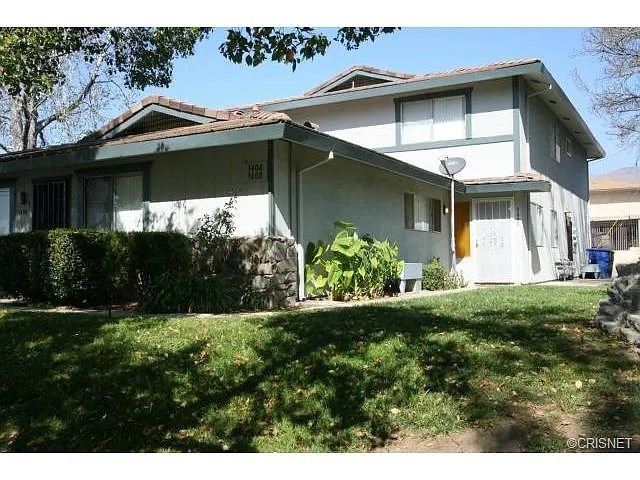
x=492, y=222
x=615, y=234
x=50, y=205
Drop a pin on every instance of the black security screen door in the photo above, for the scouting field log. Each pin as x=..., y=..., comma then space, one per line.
x=50, y=205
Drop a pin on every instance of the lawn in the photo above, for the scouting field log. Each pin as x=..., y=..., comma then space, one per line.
x=338, y=380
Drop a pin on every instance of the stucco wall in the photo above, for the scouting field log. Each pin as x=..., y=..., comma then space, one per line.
x=543, y=257
x=374, y=201
x=371, y=122
x=186, y=185
x=571, y=173
x=488, y=160
x=183, y=186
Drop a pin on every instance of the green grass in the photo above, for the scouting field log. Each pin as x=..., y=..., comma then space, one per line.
x=339, y=380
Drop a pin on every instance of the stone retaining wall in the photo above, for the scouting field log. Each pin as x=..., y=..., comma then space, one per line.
x=620, y=312
x=270, y=265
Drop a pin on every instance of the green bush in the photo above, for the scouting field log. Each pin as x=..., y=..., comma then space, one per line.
x=350, y=266
x=435, y=277
x=190, y=293
x=156, y=254
x=24, y=265
x=88, y=267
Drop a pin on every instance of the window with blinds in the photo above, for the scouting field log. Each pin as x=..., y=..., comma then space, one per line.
x=422, y=213
x=432, y=119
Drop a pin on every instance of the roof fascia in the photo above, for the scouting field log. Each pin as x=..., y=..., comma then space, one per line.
x=484, y=188
x=596, y=147
x=140, y=114
x=402, y=87
x=90, y=155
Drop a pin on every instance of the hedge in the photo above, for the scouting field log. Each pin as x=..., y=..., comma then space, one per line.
x=88, y=267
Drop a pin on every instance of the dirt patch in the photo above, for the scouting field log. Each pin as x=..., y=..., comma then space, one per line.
x=509, y=436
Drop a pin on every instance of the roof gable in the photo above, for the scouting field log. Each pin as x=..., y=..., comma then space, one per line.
x=356, y=77
x=155, y=113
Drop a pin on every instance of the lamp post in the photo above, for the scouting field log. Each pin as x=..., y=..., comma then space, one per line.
x=449, y=167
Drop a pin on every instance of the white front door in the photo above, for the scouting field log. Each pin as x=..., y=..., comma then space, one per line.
x=492, y=222
x=5, y=211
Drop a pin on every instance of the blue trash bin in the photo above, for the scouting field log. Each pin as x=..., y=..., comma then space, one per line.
x=604, y=259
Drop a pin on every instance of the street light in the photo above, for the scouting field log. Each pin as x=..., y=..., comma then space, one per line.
x=449, y=167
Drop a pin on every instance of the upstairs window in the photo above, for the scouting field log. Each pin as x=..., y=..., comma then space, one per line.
x=422, y=213
x=432, y=119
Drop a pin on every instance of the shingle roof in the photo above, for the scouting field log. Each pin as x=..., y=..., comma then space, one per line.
x=235, y=120
x=403, y=78
x=165, y=102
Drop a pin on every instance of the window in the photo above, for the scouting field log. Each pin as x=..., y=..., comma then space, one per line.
x=432, y=119
x=537, y=223
x=50, y=204
x=114, y=202
x=554, y=228
x=5, y=210
x=569, y=147
x=422, y=213
x=554, y=141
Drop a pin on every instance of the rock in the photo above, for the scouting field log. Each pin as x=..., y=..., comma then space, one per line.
x=611, y=310
x=633, y=320
x=610, y=327
x=632, y=336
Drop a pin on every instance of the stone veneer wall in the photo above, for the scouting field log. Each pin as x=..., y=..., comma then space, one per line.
x=620, y=313
x=270, y=266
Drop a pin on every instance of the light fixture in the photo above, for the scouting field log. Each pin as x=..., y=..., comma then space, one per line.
x=445, y=210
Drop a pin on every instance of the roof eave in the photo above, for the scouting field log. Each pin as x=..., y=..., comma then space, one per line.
x=594, y=151
x=508, y=187
x=401, y=87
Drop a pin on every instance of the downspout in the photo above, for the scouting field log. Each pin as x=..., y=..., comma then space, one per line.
x=299, y=248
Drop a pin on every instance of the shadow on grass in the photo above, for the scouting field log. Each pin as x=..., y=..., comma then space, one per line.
x=314, y=381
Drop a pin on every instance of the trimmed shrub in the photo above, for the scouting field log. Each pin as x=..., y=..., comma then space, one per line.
x=88, y=267
x=154, y=255
x=24, y=265
x=435, y=277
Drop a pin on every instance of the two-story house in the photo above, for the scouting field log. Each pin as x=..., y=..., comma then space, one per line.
x=362, y=147
x=525, y=202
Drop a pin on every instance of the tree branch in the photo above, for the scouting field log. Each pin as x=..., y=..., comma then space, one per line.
x=65, y=109
x=4, y=148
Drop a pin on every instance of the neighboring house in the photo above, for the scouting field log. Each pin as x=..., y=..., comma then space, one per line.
x=521, y=202
x=615, y=213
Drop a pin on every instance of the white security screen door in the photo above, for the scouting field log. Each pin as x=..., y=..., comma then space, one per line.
x=492, y=225
x=5, y=211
